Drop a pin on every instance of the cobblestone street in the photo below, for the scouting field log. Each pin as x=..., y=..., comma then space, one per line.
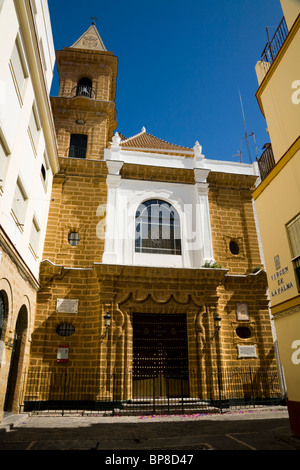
x=266, y=429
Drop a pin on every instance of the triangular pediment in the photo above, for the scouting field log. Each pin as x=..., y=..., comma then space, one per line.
x=90, y=40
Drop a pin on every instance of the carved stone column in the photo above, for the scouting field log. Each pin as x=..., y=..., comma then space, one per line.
x=113, y=182
x=203, y=215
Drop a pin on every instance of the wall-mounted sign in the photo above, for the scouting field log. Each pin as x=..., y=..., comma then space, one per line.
x=242, y=312
x=279, y=273
x=282, y=284
x=277, y=262
x=67, y=305
x=63, y=353
x=248, y=350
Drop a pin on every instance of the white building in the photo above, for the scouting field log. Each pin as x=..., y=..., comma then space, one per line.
x=28, y=161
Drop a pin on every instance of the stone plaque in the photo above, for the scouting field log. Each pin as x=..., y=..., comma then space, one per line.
x=247, y=350
x=242, y=312
x=67, y=305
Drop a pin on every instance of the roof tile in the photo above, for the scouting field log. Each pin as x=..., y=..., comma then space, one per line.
x=147, y=141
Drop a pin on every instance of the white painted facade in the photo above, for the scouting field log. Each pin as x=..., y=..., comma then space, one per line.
x=28, y=152
x=189, y=200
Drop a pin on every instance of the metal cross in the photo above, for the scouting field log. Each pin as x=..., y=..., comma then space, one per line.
x=94, y=19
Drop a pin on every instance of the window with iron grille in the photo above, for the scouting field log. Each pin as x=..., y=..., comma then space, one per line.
x=65, y=329
x=73, y=238
x=78, y=146
x=157, y=228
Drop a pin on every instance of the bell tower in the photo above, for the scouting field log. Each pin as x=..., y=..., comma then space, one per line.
x=84, y=112
x=84, y=117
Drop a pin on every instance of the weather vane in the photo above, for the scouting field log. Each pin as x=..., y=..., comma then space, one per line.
x=94, y=19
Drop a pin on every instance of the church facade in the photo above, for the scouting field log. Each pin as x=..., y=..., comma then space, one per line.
x=150, y=236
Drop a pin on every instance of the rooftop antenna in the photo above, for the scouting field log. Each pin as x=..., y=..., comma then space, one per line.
x=246, y=133
x=239, y=153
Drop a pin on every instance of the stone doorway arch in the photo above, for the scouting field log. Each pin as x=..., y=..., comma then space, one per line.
x=14, y=381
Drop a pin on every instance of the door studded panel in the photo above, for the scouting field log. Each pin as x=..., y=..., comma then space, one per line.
x=159, y=346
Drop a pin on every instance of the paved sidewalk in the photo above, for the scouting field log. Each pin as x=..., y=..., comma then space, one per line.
x=255, y=429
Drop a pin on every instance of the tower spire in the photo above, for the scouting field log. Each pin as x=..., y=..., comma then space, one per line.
x=91, y=39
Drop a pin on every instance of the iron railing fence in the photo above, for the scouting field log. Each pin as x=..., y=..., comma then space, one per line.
x=74, y=151
x=274, y=45
x=118, y=393
x=266, y=162
x=83, y=90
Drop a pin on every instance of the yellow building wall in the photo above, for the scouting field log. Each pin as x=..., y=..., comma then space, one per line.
x=291, y=9
x=279, y=96
x=288, y=328
x=276, y=205
x=277, y=199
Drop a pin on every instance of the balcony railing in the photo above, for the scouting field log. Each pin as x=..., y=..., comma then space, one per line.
x=266, y=162
x=76, y=152
x=274, y=45
x=84, y=91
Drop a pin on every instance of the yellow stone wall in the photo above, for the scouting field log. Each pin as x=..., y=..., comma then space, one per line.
x=78, y=190
x=232, y=218
x=123, y=291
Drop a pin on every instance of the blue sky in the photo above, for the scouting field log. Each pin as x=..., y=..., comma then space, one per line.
x=181, y=66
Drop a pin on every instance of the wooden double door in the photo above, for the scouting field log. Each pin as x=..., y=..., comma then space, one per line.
x=160, y=355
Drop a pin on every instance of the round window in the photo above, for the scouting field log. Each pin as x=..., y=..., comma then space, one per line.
x=65, y=329
x=73, y=238
x=243, y=332
x=234, y=247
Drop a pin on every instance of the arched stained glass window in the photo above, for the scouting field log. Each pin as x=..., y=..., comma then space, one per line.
x=157, y=228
